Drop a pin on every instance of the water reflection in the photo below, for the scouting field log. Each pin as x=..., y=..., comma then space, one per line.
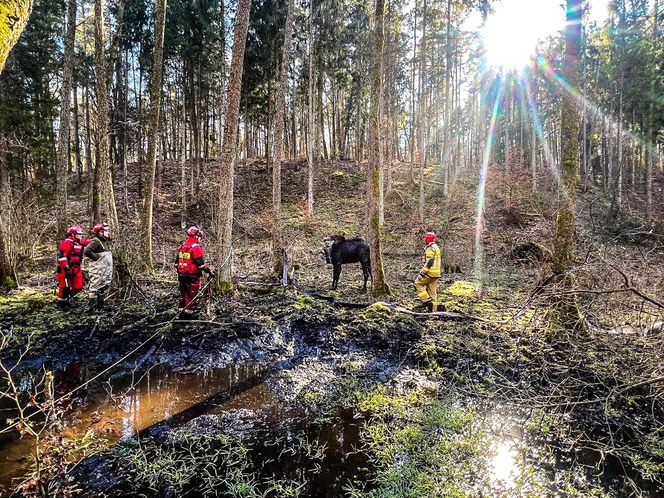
x=503, y=464
x=118, y=407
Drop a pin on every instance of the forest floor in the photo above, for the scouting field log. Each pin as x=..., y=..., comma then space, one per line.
x=286, y=394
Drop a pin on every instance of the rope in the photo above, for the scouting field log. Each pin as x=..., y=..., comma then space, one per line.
x=230, y=255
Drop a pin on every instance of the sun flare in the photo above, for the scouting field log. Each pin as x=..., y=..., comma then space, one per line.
x=514, y=29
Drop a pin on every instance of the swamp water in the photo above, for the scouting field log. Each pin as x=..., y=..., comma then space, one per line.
x=117, y=407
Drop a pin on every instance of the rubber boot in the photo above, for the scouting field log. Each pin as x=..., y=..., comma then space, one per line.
x=63, y=304
x=100, y=301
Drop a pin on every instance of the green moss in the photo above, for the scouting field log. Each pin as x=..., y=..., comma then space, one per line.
x=461, y=288
x=26, y=299
x=302, y=302
x=378, y=308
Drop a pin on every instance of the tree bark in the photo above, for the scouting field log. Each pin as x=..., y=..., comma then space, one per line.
x=7, y=249
x=421, y=129
x=153, y=128
x=62, y=168
x=567, y=313
x=14, y=16
x=277, y=144
x=311, y=128
x=651, y=143
x=374, y=166
x=224, y=221
x=103, y=197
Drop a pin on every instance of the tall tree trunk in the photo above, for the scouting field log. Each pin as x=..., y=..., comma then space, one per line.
x=153, y=128
x=533, y=156
x=619, y=162
x=421, y=128
x=103, y=197
x=224, y=221
x=14, y=16
x=321, y=118
x=374, y=166
x=277, y=144
x=77, y=138
x=62, y=169
x=311, y=112
x=7, y=249
x=651, y=141
x=413, y=117
x=567, y=313
x=88, y=137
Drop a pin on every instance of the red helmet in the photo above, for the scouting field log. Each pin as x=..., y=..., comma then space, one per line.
x=428, y=237
x=193, y=231
x=100, y=227
x=75, y=230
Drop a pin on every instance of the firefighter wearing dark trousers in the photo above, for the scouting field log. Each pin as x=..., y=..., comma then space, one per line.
x=190, y=266
x=426, y=282
x=68, y=271
x=98, y=261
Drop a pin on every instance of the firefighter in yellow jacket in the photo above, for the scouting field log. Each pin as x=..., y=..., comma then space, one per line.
x=426, y=282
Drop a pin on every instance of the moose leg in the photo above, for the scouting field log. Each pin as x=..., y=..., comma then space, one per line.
x=335, y=276
x=366, y=270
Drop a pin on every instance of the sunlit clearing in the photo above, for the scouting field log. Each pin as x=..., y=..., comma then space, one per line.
x=513, y=31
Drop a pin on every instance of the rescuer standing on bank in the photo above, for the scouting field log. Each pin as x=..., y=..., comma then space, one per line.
x=99, y=263
x=190, y=266
x=426, y=282
x=68, y=271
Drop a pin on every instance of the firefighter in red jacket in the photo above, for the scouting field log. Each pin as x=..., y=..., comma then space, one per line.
x=68, y=271
x=190, y=265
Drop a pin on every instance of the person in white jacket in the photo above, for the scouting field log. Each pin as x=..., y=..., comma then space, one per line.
x=98, y=260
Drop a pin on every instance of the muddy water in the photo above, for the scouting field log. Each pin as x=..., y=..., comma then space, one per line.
x=339, y=462
x=118, y=407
